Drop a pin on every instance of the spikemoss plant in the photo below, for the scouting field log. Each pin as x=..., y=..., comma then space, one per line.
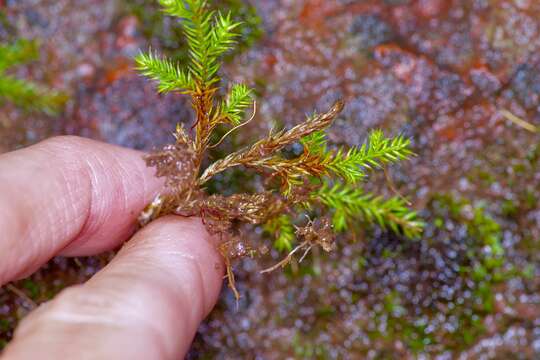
x=25, y=94
x=306, y=200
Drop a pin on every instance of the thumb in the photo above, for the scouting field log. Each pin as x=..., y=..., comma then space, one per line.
x=146, y=304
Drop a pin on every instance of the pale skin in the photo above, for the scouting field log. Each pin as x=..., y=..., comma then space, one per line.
x=77, y=197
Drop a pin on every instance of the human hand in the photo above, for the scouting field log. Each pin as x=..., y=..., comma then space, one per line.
x=75, y=197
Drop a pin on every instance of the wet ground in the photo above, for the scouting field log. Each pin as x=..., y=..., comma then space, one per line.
x=437, y=71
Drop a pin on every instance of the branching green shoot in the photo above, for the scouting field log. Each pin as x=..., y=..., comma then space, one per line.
x=307, y=199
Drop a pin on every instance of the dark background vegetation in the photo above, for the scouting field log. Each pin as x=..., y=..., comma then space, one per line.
x=437, y=71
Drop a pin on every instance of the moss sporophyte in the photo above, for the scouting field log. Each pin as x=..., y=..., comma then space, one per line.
x=306, y=200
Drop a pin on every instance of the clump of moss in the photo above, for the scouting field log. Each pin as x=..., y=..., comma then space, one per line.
x=304, y=199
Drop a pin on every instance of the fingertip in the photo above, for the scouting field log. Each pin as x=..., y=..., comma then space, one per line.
x=122, y=185
x=172, y=243
x=154, y=294
x=71, y=196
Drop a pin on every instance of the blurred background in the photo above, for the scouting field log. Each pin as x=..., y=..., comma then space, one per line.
x=461, y=78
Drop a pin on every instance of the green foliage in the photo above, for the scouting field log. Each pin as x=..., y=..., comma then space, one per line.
x=347, y=201
x=316, y=142
x=374, y=154
x=351, y=164
x=283, y=230
x=21, y=52
x=209, y=36
x=168, y=74
x=22, y=93
x=29, y=96
x=157, y=27
x=350, y=203
x=239, y=99
x=322, y=180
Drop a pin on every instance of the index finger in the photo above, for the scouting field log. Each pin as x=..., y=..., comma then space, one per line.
x=68, y=195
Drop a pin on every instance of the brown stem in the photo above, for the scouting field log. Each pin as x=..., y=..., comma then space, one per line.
x=202, y=105
x=287, y=259
x=273, y=143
